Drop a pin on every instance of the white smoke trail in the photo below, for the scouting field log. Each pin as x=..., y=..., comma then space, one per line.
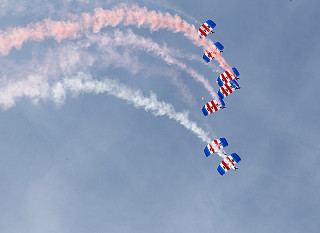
x=85, y=84
x=37, y=89
x=34, y=87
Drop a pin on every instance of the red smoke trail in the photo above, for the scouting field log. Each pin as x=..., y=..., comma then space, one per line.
x=77, y=25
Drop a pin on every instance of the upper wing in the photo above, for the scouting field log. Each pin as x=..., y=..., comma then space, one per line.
x=227, y=76
x=229, y=162
x=208, y=55
x=215, y=145
x=212, y=52
x=234, y=84
x=212, y=107
x=206, y=28
x=228, y=88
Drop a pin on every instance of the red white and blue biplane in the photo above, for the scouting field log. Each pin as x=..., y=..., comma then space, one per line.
x=206, y=28
x=215, y=145
x=228, y=162
x=227, y=76
x=228, y=88
x=213, y=106
x=212, y=52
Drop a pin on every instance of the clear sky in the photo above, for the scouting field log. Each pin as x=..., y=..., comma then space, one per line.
x=91, y=162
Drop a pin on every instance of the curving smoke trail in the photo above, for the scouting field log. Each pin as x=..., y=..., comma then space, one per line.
x=129, y=39
x=94, y=52
x=85, y=84
x=77, y=25
x=38, y=89
x=74, y=58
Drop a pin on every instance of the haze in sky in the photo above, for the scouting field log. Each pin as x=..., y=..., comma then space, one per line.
x=102, y=129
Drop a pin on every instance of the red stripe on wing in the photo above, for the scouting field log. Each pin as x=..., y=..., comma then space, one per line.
x=224, y=78
x=229, y=76
x=211, y=148
x=224, y=91
x=214, y=105
x=229, y=89
x=208, y=106
x=217, y=144
x=230, y=160
x=203, y=33
x=205, y=27
x=226, y=166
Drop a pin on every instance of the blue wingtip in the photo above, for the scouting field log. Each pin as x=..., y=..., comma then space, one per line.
x=220, y=170
x=211, y=23
x=235, y=71
x=224, y=142
x=205, y=58
x=220, y=95
x=222, y=102
x=220, y=83
x=234, y=83
x=236, y=157
x=206, y=151
x=219, y=46
x=204, y=110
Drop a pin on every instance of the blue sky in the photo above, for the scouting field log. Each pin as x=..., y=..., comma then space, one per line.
x=97, y=164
